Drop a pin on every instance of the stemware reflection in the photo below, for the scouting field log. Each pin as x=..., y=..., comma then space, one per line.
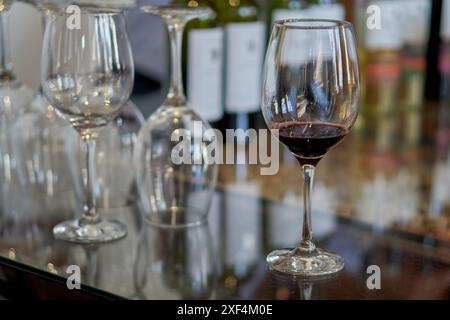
x=108, y=267
x=175, y=264
x=300, y=288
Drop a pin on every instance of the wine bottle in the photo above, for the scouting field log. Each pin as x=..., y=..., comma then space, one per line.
x=382, y=70
x=203, y=63
x=244, y=54
x=413, y=71
x=442, y=130
x=413, y=54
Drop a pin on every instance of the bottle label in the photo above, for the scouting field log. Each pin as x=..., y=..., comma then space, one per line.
x=388, y=34
x=413, y=123
x=204, y=71
x=413, y=78
x=327, y=11
x=245, y=53
x=415, y=16
x=383, y=83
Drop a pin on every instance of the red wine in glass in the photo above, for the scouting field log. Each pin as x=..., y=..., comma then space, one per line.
x=310, y=141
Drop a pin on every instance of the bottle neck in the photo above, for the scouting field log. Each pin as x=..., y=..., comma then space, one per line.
x=6, y=65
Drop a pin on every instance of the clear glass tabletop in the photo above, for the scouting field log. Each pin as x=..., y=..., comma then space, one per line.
x=382, y=201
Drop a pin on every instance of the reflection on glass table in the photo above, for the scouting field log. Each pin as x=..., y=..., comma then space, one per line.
x=407, y=236
x=175, y=264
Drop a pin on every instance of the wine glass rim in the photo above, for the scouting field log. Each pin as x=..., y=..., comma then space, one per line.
x=314, y=24
x=88, y=9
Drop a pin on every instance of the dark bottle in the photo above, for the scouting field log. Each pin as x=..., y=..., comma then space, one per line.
x=413, y=72
x=381, y=69
x=244, y=55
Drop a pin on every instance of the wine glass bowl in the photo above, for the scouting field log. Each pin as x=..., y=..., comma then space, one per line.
x=93, y=79
x=311, y=75
x=311, y=94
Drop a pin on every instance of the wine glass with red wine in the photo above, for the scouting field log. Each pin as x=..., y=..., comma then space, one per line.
x=311, y=94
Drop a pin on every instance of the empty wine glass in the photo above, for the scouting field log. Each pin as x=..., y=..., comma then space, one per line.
x=311, y=94
x=175, y=184
x=87, y=76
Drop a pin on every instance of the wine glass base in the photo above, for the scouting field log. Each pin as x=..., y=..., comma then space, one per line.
x=101, y=232
x=296, y=262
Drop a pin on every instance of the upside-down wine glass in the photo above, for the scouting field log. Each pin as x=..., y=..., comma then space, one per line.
x=311, y=93
x=175, y=174
x=87, y=76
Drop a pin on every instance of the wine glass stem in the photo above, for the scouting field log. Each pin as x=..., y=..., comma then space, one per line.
x=5, y=56
x=308, y=174
x=176, y=91
x=90, y=215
